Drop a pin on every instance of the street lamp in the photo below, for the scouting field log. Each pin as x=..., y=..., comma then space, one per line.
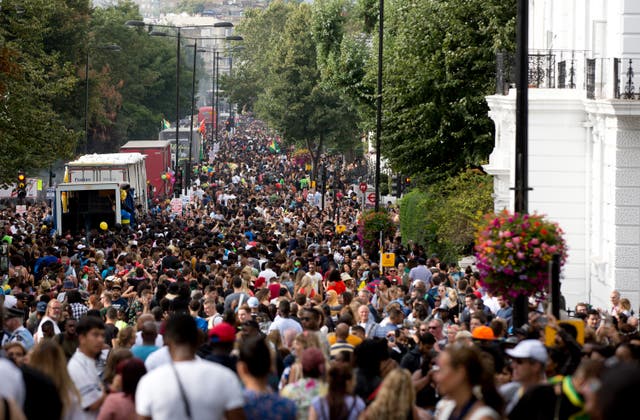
x=108, y=47
x=217, y=93
x=139, y=23
x=215, y=75
x=379, y=103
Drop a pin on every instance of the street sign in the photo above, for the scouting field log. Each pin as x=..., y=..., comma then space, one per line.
x=388, y=259
x=51, y=193
x=363, y=186
x=371, y=197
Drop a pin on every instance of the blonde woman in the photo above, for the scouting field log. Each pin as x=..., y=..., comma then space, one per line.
x=395, y=399
x=306, y=287
x=303, y=341
x=126, y=338
x=48, y=358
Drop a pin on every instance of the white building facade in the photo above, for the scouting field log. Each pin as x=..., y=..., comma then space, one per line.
x=584, y=140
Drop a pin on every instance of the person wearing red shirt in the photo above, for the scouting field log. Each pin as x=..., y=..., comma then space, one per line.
x=336, y=282
x=392, y=275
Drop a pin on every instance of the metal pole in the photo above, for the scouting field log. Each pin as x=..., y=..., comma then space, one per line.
x=217, y=120
x=193, y=99
x=86, y=104
x=520, y=307
x=555, y=286
x=324, y=183
x=213, y=88
x=177, y=168
x=522, y=115
x=379, y=103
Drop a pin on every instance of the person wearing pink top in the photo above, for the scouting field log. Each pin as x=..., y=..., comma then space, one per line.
x=121, y=405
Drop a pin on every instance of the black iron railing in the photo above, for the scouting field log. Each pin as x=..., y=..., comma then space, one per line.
x=597, y=77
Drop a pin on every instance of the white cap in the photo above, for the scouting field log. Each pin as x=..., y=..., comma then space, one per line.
x=529, y=349
x=253, y=302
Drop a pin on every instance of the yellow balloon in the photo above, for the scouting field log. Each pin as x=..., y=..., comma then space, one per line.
x=104, y=225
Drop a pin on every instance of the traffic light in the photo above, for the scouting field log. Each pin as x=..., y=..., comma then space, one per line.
x=395, y=185
x=177, y=186
x=21, y=185
x=405, y=183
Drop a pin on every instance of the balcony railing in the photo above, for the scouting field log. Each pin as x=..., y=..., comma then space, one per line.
x=598, y=78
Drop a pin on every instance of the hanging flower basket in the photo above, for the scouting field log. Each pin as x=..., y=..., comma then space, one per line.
x=370, y=224
x=513, y=252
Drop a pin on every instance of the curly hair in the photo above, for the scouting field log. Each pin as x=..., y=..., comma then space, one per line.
x=395, y=398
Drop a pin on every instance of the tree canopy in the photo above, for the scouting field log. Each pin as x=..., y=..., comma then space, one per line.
x=44, y=49
x=280, y=77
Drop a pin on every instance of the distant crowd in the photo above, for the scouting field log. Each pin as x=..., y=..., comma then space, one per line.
x=250, y=304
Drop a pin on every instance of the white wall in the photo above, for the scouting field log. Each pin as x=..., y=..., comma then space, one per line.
x=557, y=170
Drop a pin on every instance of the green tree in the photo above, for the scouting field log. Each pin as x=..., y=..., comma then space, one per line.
x=38, y=47
x=438, y=67
x=444, y=217
x=132, y=90
x=280, y=64
x=262, y=31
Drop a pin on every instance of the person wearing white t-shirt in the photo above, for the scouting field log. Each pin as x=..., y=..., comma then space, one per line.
x=283, y=323
x=316, y=278
x=188, y=387
x=83, y=365
x=268, y=273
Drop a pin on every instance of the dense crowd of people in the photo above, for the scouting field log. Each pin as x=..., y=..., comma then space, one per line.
x=250, y=304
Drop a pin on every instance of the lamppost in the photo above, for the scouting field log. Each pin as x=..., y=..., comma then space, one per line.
x=139, y=23
x=193, y=100
x=215, y=57
x=217, y=92
x=109, y=47
x=379, y=103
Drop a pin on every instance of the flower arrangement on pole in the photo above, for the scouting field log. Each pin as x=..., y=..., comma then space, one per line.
x=513, y=252
x=370, y=224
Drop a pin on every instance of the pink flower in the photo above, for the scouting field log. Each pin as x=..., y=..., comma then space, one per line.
x=534, y=241
x=536, y=252
x=520, y=255
x=516, y=239
x=509, y=245
x=553, y=249
x=507, y=234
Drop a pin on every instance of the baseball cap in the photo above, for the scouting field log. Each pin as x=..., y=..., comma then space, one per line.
x=253, y=302
x=41, y=307
x=483, y=333
x=10, y=301
x=222, y=333
x=529, y=349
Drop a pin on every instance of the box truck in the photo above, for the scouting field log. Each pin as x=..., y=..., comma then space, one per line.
x=157, y=162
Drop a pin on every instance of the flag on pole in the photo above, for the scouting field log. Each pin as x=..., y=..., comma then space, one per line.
x=165, y=124
x=203, y=128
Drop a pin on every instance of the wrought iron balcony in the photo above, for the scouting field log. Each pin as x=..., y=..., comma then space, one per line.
x=599, y=78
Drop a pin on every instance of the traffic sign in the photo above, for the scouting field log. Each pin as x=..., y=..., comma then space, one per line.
x=363, y=186
x=371, y=197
